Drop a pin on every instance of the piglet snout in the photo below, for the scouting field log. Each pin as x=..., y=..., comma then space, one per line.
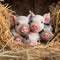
x=45, y=35
x=35, y=27
x=24, y=29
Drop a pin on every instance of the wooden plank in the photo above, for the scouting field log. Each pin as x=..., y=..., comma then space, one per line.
x=42, y=6
x=22, y=7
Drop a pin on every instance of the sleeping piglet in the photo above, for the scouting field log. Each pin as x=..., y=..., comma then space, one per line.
x=32, y=39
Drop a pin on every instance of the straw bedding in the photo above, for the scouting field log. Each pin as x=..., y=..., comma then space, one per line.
x=12, y=50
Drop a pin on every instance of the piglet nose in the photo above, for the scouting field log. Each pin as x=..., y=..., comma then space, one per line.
x=24, y=29
x=46, y=35
x=35, y=26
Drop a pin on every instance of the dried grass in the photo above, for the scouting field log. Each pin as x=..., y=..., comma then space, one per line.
x=10, y=49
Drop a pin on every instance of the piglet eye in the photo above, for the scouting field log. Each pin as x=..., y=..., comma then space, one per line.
x=17, y=24
x=41, y=21
x=26, y=37
x=38, y=40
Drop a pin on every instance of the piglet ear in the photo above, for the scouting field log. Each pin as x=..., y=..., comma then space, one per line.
x=31, y=14
x=12, y=20
x=47, y=18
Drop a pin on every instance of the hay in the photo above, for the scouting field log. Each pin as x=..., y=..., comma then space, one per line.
x=10, y=49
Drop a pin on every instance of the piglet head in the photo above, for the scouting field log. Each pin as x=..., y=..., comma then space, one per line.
x=22, y=26
x=47, y=18
x=46, y=35
x=37, y=23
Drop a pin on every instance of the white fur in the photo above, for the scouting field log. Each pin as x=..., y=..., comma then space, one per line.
x=14, y=32
x=23, y=20
x=48, y=27
x=38, y=19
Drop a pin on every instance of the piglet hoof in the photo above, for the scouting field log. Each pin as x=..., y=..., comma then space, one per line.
x=31, y=44
x=18, y=39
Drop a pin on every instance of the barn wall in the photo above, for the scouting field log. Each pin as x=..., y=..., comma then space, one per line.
x=37, y=6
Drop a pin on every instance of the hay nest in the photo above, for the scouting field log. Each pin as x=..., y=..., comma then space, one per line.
x=10, y=49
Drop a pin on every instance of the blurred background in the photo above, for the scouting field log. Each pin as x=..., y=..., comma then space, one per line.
x=37, y=6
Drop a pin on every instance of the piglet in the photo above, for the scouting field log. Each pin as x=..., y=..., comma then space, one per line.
x=32, y=39
x=47, y=33
x=46, y=36
x=36, y=22
x=47, y=23
x=17, y=37
x=21, y=24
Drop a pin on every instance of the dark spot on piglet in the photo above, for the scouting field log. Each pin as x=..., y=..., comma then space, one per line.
x=38, y=40
x=26, y=37
x=43, y=41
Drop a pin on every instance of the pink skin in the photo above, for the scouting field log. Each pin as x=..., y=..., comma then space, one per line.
x=47, y=17
x=24, y=29
x=46, y=35
x=12, y=20
x=34, y=27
